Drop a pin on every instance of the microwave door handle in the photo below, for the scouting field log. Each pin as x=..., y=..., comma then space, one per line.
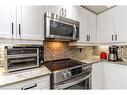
x=75, y=31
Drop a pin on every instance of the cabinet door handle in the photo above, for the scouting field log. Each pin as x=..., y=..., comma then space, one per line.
x=89, y=37
x=29, y=87
x=65, y=13
x=12, y=25
x=115, y=37
x=19, y=29
x=61, y=11
x=86, y=37
x=112, y=37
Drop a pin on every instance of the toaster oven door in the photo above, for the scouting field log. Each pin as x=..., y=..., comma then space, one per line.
x=21, y=63
x=18, y=59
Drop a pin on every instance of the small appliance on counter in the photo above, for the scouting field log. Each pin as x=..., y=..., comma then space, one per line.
x=22, y=57
x=103, y=55
x=113, y=53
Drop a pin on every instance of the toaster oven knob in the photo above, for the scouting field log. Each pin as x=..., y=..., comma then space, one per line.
x=64, y=75
x=69, y=74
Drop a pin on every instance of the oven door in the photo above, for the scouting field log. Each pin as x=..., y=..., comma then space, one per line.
x=61, y=30
x=79, y=82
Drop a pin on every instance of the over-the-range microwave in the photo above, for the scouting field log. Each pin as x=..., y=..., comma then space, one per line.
x=21, y=57
x=60, y=28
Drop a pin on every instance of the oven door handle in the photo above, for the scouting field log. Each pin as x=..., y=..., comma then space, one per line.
x=72, y=82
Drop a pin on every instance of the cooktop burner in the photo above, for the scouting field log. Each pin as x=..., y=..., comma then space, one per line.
x=61, y=64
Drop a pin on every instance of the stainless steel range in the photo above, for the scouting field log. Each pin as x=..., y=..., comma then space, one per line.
x=69, y=74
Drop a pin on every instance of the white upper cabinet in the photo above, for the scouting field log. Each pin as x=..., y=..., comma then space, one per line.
x=87, y=19
x=30, y=24
x=82, y=18
x=65, y=10
x=24, y=22
x=121, y=23
x=91, y=27
x=7, y=22
x=69, y=11
x=52, y=9
x=106, y=26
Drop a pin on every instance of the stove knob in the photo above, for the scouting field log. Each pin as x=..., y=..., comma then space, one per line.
x=65, y=75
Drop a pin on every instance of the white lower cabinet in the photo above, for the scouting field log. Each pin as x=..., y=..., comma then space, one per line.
x=106, y=75
x=114, y=76
x=97, y=76
x=42, y=82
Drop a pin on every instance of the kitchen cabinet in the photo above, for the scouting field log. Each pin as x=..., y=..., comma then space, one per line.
x=52, y=9
x=42, y=82
x=7, y=22
x=106, y=75
x=87, y=31
x=115, y=76
x=30, y=23
x=69, y=11
x=23, y=22
x=91, y=27
x=106, y=26
x=121, y=23
x=97, y=73
x=82, y=18
x=63, y=10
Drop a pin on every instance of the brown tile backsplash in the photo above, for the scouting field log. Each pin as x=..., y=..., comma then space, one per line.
x=57, y=50
x=60, y=50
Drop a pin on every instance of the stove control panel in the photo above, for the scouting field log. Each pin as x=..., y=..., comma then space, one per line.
x=76, y=71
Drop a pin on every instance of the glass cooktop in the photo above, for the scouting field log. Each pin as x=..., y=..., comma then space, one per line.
x=61, y=64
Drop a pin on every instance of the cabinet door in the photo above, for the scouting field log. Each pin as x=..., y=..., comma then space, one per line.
x=42, y=82
x=97, y=75
x=69, y=11
x=115, y=76
x=30, y=25
x=82, y=16
x=91, y=26
x=106, y=26
x=121, y=23
x=76, y=12
x=53, y=9
x=7, y=22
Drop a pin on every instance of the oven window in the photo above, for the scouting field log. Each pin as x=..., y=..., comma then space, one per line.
x=15, y=63
x=57, y=28
x=21, y=51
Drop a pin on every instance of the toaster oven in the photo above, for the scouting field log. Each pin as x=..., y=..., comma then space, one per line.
x=22, y=57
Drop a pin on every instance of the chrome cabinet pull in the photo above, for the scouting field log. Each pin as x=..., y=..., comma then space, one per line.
x=86, y=37
x=29, y=87
x=115, y=37
x=19, y=29
x=112, y=38
x=65, y=14
x=12, y=25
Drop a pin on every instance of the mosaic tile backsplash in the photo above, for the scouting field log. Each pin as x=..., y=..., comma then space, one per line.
x=57, y=50
x=61, y=50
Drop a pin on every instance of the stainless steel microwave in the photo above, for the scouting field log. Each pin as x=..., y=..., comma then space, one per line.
x=60, y=28
x=22, y=57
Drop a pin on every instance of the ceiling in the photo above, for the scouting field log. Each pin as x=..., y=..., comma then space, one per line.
x=97, y=9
